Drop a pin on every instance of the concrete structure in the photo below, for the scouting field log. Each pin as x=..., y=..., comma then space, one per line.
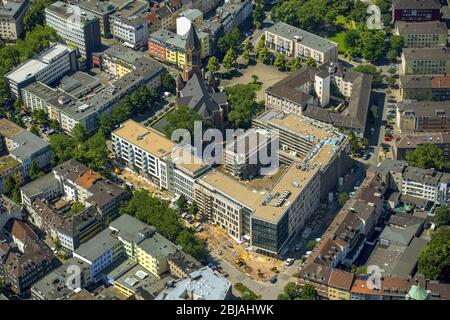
x=416, y=10
x=11, y=18
x=269, y=215
x=48, y=66
x=308, y=92
x=425, y=61
x=297, y=43
x=188, y=17
x=75, y=27
x=425, y=87
x=431, y=34
x=133, y=31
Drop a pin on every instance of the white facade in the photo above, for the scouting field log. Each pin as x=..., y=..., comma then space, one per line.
x=133, y=32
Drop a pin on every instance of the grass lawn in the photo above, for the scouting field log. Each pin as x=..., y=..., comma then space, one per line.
x=338, y=36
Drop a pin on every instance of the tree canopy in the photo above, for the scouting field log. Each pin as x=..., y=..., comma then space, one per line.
x=377, y=78
x=434, y=260
x=426, y=156
x=156, y=212
x=182, y=117
x=442, y=216
x=243, y=107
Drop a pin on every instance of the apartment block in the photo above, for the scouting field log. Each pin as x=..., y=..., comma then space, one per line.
x=24, y=147
x=428, y=184
x=297, y=43
x=82, y=98
x=431, y=34
x=425, y=87
x=12, y=13
x=158, y=158
x=423, y=116
x=425, y=61
x=132, y=31
x=75, y=27
x=416, y=10
x=47, y=67
x=405, y=143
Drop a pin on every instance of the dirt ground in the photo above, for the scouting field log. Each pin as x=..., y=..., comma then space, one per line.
x=268, y=76
x=222, y=245
x=140, y=182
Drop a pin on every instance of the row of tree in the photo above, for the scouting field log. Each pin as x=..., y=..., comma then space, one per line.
x=294, y=291
x=156, y=212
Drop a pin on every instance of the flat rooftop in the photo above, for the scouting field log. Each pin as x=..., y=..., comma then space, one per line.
x=147, y=139
x=9, y=129
x=38, y=63
x=7, y=163
x=304, y=37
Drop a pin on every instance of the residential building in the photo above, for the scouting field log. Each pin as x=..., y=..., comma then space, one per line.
x=233, y=14
x=100, y=9
x=425, y=87
x=126, y=237
x=12, y=13
x=188, y=17
x=170, y=48
x=423, y=116
x=24, y=148
x=158, y=158
x=57, y=284
x=133, y=31
x=47, y=67
x=202, y=284
x=8, y=210
x=427, y=184
x=297, y=43
x=339, y=285
x=25, y=260
x=82, y=98
x=431, y=34
x=407, y=142
x=75, y=27
x=308, y=92
x=416, y=10
x=425, y=61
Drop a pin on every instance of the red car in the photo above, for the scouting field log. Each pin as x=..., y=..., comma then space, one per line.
x=387, y=138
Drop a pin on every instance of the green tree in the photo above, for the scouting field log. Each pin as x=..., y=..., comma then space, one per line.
x=397, y=43
x=35, y=15
x=76, y=207
x=442, y=216
x=255, y=78
x=182, y=117
x=213, y=65
x=182, y=203
x=311, y=62
x=283, y=296
x=258, y=15
x=434, y=260
x=374, y=111
x=280, y=61
x=35, y=130
x=93, y=153
x=264, y=55
x=292, y=290
x=377, y=78
x=243, y=107
x=62, y=146
x=296, y=64
x=229, y=59
x=193, y=210
x=309, y=293
x=79, y=134
x=168, y=83
x=426, y=156
x=343, y=198
x=232, y=40
x=34, y=171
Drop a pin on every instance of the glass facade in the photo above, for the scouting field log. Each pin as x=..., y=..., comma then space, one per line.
x=270, y=236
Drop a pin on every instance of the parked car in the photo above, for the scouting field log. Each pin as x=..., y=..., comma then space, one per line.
x=289, y=261
x=273, y=279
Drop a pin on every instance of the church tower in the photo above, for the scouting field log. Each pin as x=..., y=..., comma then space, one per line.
x=192, y=55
